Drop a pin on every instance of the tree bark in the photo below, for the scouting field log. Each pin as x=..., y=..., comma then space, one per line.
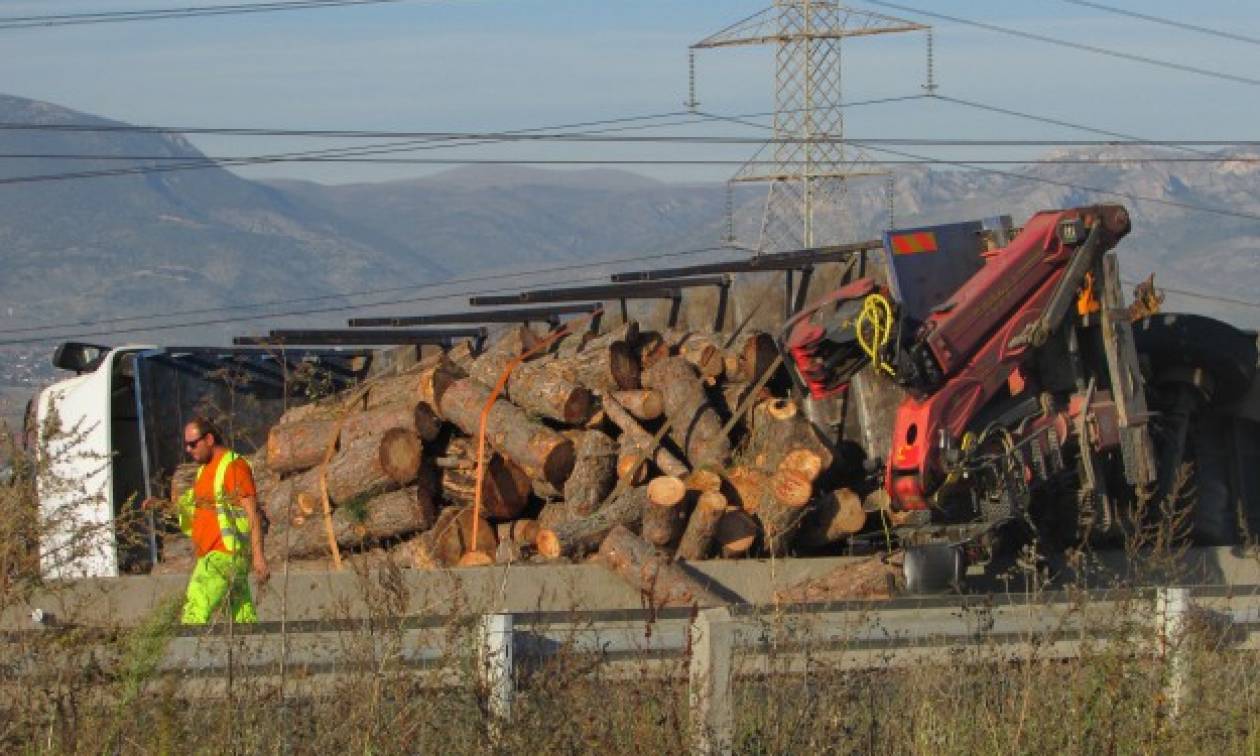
x=697, y=538
x=644, y=404
x=694, y=424
x=835, y=516
x=540, y=451
x=666, y=513
x=749, y=356
x=872, y=578
x=782, y=511
x=703, y=351
x=654, y=576
x=301, y=445
x=576, y=537
x=594, y=473
x=634, y=465
x=353, y=472
x=451, y=538
x=534, y=388
x=599, y=366
x=635, y=438
x=390, y=515
x=505, y=486
x=778, y=427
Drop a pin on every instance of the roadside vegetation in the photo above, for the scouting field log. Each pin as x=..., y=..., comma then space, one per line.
x=69, y=689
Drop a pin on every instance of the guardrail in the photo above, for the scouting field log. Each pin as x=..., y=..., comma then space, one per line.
x=712, y=647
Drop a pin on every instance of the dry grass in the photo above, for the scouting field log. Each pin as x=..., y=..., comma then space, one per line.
x=101, y=691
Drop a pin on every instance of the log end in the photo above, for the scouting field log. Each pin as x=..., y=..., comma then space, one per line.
x=400, y=455
x=666, y=491
x=624, y=365
x=577, y=407
x=547, y=543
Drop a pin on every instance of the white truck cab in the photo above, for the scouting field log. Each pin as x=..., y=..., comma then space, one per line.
x=111, y=436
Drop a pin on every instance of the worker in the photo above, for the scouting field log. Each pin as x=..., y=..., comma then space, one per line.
x=221, y=515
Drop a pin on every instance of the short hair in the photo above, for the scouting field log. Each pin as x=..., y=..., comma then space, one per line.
x=205, y=426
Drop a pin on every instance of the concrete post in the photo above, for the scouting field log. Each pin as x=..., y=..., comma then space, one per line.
x=1172, y=612
x=496, y=669
x=711, y=673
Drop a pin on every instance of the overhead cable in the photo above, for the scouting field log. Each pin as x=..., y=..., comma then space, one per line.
x=1132, y=57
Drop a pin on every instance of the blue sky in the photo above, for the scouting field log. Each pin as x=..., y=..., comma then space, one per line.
x=494, y=65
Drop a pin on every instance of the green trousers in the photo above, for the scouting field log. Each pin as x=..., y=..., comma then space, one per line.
x=218, y=576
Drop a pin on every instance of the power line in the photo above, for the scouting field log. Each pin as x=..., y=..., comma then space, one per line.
x=202, y=163
x=344, y=295
x=660, y=161
x=160, y=14
x=1039, y=179
x=1166, y=64
x=1166, y=21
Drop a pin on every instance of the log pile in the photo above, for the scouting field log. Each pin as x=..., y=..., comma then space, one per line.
x=637, y=449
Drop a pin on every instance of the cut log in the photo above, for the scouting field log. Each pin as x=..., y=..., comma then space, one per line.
x=652, y=349
x=355, y=471
x=599, y=366
x=781, y=512
x=644, y=404
x=534, y=388
x=749, y=356
x=395, y=389
x=635, y=438
x=400, y=453
x=390, y=515
x=462, y=354
x=428, y=424
x=776, y=428
x=318, y=410
x=579, y=536
x=632, y=464
x=834, y=517
x=803, y=462
x=301, y=445
x=652, y=575
x=553, y=513
x=434, y=379
x=594, y=473
x=694, y=424
x=697, y=538
x=666, y=512
x=871, y=578
x=540, y=451
x=746, y=487
x=702, y=350
x=450, y=538
x=736, y=533
x=703, y=481
x=505, y=486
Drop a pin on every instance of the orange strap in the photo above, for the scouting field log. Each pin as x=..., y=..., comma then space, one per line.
x=499, y=386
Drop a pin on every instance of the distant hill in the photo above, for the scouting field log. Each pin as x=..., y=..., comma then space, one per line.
x=165, y=241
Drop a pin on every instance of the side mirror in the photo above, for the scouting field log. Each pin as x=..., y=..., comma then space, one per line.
x=79, y=357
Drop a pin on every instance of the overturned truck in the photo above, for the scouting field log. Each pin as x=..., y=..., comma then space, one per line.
x=964, y=391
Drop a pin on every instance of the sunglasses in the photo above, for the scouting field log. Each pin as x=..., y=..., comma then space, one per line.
x=194, y=442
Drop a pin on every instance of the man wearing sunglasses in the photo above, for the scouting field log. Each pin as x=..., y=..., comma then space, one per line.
x=220, y=513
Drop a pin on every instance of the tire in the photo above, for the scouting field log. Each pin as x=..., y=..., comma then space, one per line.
x=1196, y=341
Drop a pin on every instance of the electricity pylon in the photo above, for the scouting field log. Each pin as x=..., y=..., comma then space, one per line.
x=806, y=163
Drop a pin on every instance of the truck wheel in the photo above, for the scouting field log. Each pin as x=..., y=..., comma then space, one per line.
x=1214, y=522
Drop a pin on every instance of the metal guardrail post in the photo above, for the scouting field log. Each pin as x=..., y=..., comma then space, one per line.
x=712, y=719
x=1172, y=610
x=496, y=669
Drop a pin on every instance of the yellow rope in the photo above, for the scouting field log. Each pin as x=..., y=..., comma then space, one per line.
x=876, y=317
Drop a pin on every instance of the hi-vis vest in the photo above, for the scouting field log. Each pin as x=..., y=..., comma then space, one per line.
x=233, y=522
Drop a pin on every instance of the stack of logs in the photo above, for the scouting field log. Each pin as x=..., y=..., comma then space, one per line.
x=572, y=465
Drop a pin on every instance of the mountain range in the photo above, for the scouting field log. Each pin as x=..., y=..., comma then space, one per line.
x=89, y=249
